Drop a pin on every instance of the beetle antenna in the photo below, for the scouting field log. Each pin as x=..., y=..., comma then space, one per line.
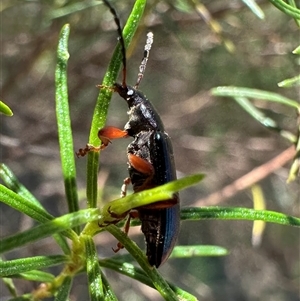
x=121, y=39
x=144, y=61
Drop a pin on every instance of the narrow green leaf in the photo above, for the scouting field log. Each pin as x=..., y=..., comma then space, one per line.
x=197, y=251
x=158, y=281
x=287, y=9
x=138, y=274
x=57, y=225
x=265, y=121
x=64, y=290
x=103, y=100
x=255, y=8
x=9, y=284
x=259, y=203
x=256, y=113
x=12, y=183
x=35, y=275
x=62, y=242
x=290, y=82
x=70, y=8
x=11, y=267
x=227, y=213
x=25, y=297
x=146, y=197
x=294, y=170
x=254, y=93
x=293, y=4
x=5, y=109
x=31, y=209
x=296, y=51
x=64, y=122
x=127, y=269
x=93, y=270
x=109, y=295
x=23, y=205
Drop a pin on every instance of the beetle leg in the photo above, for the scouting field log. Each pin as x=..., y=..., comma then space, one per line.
x=110, y=132
x=126, y=230
x=140, y=164
x=126, y=182
x=117, y=217
x=118, y=248
x=132, y=214
x=105, y=135
x=88, y=148
x=143, y=166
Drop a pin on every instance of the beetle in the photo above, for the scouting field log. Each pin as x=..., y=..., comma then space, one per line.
x=150, y=160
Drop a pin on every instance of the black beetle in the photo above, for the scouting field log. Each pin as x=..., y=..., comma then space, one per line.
x=150, y=160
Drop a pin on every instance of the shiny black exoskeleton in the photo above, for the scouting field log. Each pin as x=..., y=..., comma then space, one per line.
x=161, y=221
x=150, y=160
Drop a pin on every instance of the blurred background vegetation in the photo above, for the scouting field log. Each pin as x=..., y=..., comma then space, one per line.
x=210, y=135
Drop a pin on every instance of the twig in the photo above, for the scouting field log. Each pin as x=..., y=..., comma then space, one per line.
x=254, y=176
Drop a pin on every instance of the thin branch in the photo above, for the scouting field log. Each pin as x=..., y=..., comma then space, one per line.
x=246, y=181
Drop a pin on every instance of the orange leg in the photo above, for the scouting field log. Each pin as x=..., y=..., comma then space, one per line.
x=141, y=165
x=109, y=133
x=88, y=148
x=126, y=182
x=126, y=230
x=133, y=214
x=144, y=167
x=105, y=135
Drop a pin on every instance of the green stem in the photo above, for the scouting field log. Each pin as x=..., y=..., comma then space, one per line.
x=286, y=8
x=64, y=122
x=100, y=112
x=226, y=213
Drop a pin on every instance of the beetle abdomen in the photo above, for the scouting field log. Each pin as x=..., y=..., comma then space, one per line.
x=160, y=227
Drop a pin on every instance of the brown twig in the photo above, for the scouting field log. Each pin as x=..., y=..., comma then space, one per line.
x=254, y=176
